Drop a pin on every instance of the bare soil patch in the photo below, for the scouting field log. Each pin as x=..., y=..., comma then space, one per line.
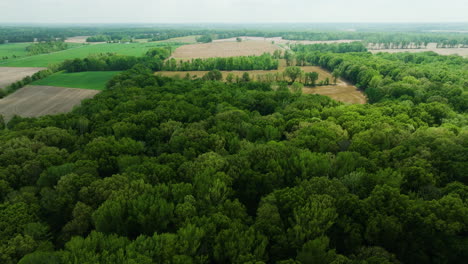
x=224, y=49
x=430, y=47
x=9, y=75
x=34, y=101
x=341, y=91
x=77, y=39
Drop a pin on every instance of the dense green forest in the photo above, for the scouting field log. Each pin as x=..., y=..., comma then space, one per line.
x=160, y=170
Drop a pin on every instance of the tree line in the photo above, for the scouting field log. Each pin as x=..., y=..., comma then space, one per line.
x=262, y=62
x=46, y=47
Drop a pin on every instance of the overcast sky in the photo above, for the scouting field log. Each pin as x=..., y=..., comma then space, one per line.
x=231, y=11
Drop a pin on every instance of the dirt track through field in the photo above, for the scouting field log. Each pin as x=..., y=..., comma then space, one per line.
x=224, y=49
x=9, y=75
x=34, y=101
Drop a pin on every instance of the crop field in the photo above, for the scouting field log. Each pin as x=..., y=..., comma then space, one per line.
x=342, y=91
x=84, y=80
x=224, y=49
x=430, y=47
x=34, y=101
x=82, y=51
x=9, y=75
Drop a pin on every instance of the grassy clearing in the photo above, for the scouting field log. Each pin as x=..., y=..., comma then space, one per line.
x=84, y=80
x=82, y=51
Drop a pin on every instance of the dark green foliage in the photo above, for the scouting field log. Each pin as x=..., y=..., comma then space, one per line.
x=205, y=38
x=159, y=170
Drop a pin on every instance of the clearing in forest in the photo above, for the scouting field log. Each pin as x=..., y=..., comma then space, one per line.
x=224, y=49
x=341, y=91
x=34, y=101
x=85, y=80
x=9, y=75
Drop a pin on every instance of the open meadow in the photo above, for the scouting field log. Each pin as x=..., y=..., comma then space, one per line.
x=84, y=80
x=9, y=75
x=224, y=49
x=34, y=101
x=12, y=50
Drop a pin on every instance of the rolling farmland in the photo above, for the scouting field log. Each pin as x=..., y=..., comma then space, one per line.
x=81, y=51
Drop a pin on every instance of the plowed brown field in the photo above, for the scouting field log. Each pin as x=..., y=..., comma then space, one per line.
x=33, y=101
x=224, y=49
x=9, y=75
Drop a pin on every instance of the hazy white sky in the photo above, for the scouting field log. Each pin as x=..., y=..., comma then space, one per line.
x=232, y=11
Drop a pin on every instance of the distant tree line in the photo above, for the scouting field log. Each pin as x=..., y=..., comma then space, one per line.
x=46, y=47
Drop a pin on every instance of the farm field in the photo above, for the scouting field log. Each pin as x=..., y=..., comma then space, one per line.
x=224, y=49
x=84, y=80
x=81, y=51
x=9, y=75
x=342, y=91
x=430, y=47
x=34, y=101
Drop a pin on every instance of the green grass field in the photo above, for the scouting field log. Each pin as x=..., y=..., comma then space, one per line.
x=82, y=51
x=84, y=80
x=17, y=49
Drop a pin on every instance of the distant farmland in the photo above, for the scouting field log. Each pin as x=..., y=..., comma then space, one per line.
x=34, y=101
x=81, y=51
x=84, y=80
x=224, y=49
